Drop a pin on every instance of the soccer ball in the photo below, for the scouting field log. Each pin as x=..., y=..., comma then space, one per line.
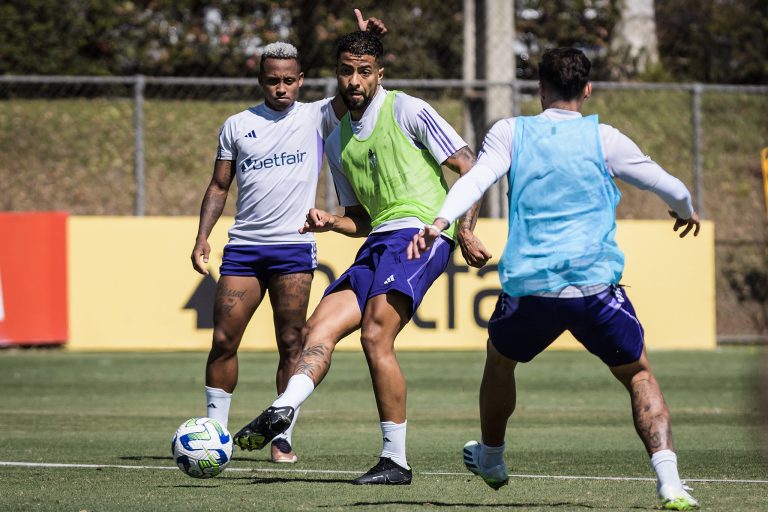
x=201, y=447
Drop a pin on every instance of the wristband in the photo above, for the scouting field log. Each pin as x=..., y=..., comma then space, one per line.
x=436, y=227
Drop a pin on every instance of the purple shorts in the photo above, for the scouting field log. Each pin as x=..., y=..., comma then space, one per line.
x=382, y=266
x=265, y=261
x=522, y=327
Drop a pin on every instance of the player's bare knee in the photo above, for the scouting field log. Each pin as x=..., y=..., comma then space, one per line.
x=376, y=347
x=223, y=344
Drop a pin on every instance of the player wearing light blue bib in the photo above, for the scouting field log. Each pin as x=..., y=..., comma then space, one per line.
x=274, y=151
x=561, y=266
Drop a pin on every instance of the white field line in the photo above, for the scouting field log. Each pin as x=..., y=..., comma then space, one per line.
x=345, y=472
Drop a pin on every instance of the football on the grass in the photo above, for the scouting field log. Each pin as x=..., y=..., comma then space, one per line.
x=201, y=447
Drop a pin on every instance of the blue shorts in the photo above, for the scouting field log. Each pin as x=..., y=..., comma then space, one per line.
x=265, y=261
x=522, y=327
x=382, y=266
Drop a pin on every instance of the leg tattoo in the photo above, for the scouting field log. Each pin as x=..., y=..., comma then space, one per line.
x=314, y=363
x=651, y=415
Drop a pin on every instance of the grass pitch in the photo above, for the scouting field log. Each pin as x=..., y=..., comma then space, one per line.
x=571, y=444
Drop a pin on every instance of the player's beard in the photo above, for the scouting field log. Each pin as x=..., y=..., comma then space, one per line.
x=359, y=104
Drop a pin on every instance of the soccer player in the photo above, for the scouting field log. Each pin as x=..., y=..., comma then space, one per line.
x=561, y=266
x=275, y=151
x=385, y=156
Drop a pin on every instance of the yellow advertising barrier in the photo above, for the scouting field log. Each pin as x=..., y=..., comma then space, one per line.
x=132, y=287
x=764, y=160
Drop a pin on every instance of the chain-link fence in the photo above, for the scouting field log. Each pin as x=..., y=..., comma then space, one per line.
x=145, y=146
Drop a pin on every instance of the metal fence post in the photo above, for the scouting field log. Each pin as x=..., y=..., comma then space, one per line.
x=138, y=150
x=698, y=187
x=330, y=189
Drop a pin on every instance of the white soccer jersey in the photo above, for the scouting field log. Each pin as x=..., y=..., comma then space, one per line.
x=418, y=121
x=277, y=158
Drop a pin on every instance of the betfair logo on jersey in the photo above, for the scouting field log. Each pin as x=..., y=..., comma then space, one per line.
x=276, y=160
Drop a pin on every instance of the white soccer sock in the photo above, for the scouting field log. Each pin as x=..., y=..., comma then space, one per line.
x=491, y=456
x=288, y=434
x=664, y=463
x=299, y=388
x=394, y=442
x=217, y=400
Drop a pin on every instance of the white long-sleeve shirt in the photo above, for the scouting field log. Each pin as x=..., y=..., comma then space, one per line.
x=624, y=159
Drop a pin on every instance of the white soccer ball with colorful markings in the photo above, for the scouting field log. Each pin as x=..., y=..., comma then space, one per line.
x=201, y=447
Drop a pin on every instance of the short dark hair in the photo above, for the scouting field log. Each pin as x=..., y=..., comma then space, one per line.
x=565, y=71
x=361, y=43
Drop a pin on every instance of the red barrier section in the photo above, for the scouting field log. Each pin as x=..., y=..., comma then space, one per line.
x=33, y=278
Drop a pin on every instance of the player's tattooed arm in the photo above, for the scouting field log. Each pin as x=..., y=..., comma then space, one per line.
x=210, y=210
x=473, y=250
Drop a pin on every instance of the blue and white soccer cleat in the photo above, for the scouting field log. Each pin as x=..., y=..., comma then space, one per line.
x=496, y=477
x=676, y=498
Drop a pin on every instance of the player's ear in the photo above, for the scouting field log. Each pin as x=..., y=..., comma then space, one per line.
x=588, y=90
x=381, y=75
x=301, y=78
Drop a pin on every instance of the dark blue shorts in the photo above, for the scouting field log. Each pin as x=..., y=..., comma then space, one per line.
x=265, y=261
x=382, y=266
x=605, y=323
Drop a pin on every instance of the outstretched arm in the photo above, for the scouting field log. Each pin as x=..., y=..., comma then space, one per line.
x=213, y=205
x=632, y=166
x=355, y=222
x=473, y=250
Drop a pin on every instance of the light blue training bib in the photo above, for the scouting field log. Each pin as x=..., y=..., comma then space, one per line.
x=562, y=209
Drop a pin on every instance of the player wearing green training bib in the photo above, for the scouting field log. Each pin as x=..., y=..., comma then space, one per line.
x=390, y=176
x=385, y=157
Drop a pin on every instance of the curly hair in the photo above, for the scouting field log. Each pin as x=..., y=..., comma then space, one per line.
x=565, y=71
x=361, y=43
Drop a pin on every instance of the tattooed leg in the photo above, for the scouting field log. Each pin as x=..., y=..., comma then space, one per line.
x=649, y=410
x=337, y=315
x=237, y=297
x=289, y=295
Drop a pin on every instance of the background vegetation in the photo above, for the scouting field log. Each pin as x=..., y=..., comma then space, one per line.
x=720, y=41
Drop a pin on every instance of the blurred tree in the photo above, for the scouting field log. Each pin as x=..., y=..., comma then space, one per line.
x=586, y=24
x=716, y=41
x=705, y=40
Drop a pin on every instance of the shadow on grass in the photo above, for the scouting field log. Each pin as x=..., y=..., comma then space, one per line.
x=274, y=480
x=443, y=504
x=146, y=457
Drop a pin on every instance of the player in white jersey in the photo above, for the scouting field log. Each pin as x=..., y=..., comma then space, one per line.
x=561, y=267
x=275, y=152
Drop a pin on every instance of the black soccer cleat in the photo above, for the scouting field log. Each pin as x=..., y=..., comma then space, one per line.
x=386, y=472
x=270, y=423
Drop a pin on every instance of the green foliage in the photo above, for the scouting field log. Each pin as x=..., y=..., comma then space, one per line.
x=198, y=38
x=716, y=41
x=707, y=40
x=586, y=24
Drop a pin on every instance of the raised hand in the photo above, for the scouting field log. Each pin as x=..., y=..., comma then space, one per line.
x=692, y=223
x=374, y=25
